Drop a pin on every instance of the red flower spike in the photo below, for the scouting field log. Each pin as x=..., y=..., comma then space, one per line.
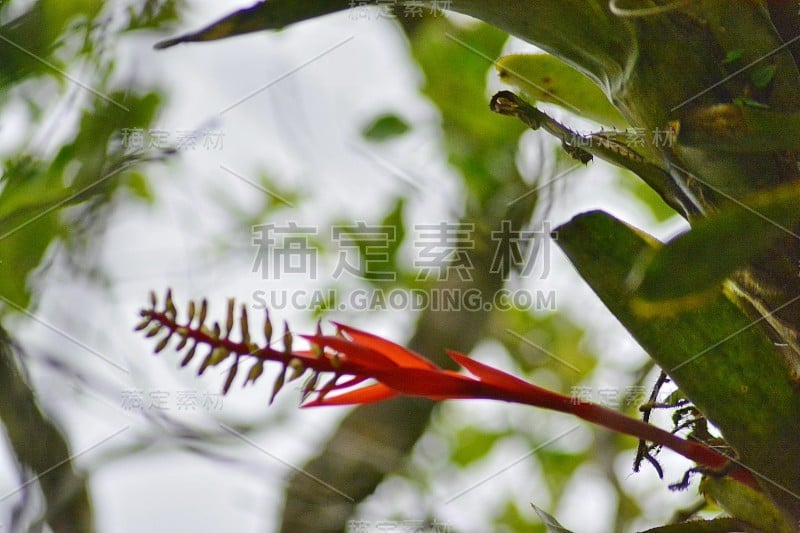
x=361, y=356
x=490, y=383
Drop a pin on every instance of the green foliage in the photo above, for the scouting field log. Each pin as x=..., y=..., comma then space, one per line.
x=549, y=341
x=512, y=518
x=717, y=246
x=746, y=504
x=724, y=77
x=476, y=143
x=711, y=351
x=385, y=127
x=763, y=76
x=84, y=173
x=544, y=78
x=559, y=468
x=645, y=196
x=56, y=181
x=472, y=444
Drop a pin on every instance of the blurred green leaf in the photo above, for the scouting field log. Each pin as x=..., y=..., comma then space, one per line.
x=545, y=78
x=153, y=14
x=746, y=504
x=377, y=245
x=85, y=171
x=645, y=195
x=762, y=76
x=717, y=246
x=261, y=16
x=30, y=39
x=138, y=185
x=732, y=56
x=549, y=341
x=512, y=519
x=385, y=127
x=471, y=444
x=558, y=467
x=396, y=219
x=21, y=251
x=748, y=103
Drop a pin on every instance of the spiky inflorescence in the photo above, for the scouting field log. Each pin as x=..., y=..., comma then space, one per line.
x=195, y=334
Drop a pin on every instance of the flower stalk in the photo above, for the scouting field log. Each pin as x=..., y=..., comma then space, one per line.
x=366, y=368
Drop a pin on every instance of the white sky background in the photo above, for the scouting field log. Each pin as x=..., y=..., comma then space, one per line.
x=302, y=131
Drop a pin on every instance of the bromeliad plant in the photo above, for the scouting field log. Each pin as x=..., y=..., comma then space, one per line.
x=718, y=307
x=363, y=368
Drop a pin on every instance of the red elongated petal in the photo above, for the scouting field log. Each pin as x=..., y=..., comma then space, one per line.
x=370, y=394
x=434, y=384
x=490, y=375
x=512, y=388
x=356, y=354
x=400, y=355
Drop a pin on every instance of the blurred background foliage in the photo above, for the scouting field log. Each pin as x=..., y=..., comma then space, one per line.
x=67, y=165
x=64, y=166
x=69, y=159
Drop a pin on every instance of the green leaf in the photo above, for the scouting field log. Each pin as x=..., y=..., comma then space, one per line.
x=385, y=127
x=746, y=504
x=271, y=15
x=138, y=185
x=743, y=101
x=21, y=251
x=715, y=247
x=396, y=219
x=472, y=444
x=645, y=195
x=746, y=126
x=732, y=56
x=761, y=77
x=511, y=518
x=558, y=467
x=378, y=246
x=534, y=339
x=721, y=360
x=545, y=78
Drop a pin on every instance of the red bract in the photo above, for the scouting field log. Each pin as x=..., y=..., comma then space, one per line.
x=354, y=357
x=400, y=371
